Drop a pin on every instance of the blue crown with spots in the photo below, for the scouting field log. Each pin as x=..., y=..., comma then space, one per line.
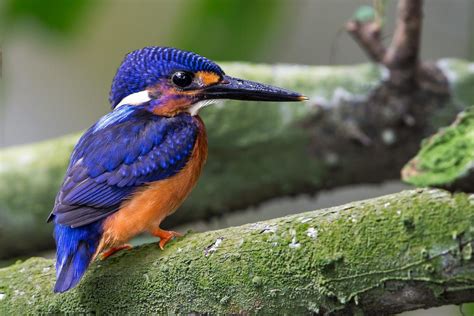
x=145, y=67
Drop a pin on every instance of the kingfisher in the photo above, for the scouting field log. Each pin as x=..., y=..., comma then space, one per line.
x=137, y=164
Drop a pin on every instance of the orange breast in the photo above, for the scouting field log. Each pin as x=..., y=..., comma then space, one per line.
x=148, y=207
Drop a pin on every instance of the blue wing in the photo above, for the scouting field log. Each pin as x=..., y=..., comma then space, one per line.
x=125, y=150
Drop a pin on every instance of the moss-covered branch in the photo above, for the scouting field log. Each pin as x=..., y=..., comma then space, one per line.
x=446, y=159
x=399, y=252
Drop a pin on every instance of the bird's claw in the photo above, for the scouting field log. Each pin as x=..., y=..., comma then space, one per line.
x=165, y=236
x=113, y=250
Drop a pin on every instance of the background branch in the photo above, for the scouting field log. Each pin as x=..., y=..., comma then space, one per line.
x=382, y=256
x=368, y=36
x=402, y=56
x=338, y=133
x=328, y=142
x=403, y=52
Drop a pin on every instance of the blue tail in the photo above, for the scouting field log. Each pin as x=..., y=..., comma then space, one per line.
x=74, y=250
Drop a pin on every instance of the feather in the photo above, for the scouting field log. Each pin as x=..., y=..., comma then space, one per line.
x=117, y=156
x=75, y=249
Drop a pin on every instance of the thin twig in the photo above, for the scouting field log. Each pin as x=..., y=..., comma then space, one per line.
x=402, y=56
x=367, y=35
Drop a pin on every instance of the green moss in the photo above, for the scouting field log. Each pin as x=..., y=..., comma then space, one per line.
x=278, y=266
x=445, y=157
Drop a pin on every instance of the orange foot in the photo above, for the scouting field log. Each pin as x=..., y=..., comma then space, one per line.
x=165, y=236
x=113, y=250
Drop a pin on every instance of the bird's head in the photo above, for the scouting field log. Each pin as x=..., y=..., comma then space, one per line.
x=168, y=81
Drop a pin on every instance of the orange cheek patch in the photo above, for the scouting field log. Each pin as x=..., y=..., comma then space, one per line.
x=172, y=106
x=208, y=78
x=173, y=101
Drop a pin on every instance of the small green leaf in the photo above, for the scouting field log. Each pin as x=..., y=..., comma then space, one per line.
x=365, y=13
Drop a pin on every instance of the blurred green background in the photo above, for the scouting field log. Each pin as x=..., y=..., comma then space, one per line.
x=58, y=57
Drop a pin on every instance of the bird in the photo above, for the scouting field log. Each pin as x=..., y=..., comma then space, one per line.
x=137, y=164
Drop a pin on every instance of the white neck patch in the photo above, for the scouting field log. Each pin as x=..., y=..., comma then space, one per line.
x=142, y=97
x=194, y=109
x=136, y=98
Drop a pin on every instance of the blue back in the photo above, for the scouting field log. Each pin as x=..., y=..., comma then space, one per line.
x=145, y=67
x=123, y=151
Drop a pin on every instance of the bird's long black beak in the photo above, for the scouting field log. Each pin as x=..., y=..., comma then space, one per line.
x=240, y=89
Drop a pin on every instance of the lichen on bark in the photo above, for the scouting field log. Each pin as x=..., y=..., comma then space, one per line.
x=357, y=257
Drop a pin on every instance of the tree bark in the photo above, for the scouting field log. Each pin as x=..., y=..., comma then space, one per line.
x=402, y=56
x=381, y=256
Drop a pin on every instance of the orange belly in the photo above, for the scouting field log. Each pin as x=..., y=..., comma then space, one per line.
x=147, y=208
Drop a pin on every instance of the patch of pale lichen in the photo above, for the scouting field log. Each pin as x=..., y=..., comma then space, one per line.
x=445, y=157
x=315, y=261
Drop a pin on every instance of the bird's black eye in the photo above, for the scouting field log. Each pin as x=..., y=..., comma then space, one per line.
x=182, y=79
